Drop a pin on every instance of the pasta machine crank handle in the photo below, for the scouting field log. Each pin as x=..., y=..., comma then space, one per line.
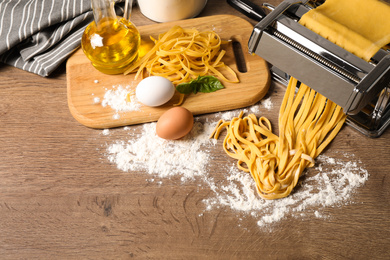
x=255, y=12
x=279, y=10
x=248, y=8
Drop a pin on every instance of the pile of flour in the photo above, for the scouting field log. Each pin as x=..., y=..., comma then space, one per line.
x=187, y=157
x=120, y=99
x=332, y=182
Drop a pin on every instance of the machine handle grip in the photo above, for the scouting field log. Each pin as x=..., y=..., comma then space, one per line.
x=248, y=8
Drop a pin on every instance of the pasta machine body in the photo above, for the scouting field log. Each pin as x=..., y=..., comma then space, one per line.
x=361, y=88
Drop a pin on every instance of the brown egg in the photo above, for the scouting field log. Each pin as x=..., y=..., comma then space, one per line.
x=175, y=123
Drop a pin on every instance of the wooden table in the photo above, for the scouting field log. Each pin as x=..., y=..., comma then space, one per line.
x=60, y=197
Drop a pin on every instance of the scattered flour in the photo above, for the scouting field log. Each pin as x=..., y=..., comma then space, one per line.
x=330, y=186
x=331, y=183
x=267, y=103
x=229, y=114
x=116, y=98
x=106, y=132
x=184, y=157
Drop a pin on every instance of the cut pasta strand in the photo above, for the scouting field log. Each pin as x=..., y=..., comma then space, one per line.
x=276, y=162
x=184, y=54
x=308, y=121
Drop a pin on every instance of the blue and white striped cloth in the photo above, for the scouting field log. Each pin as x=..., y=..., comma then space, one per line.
x=38, y=35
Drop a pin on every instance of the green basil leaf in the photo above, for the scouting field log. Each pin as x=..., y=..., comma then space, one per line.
x=204, y=84
x=185, y=88
x=209, y=84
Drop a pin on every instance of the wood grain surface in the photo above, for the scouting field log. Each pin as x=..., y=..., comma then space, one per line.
x=60, y=197
x=253, y=86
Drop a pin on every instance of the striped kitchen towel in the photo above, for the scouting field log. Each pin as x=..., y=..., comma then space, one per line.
x=38, y=35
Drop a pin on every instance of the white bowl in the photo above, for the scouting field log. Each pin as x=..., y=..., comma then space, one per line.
x=170, y=10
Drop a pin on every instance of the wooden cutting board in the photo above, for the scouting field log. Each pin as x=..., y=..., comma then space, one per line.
x=86, y=86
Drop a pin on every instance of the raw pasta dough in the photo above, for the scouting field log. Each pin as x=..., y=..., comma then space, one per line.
x=184, y=54
x=307, y=124
x=307, y=120
x=360, y=26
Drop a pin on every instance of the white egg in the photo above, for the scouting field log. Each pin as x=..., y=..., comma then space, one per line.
x=154, y=91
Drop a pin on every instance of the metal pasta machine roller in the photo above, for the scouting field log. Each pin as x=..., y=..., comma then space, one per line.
x=361, y=88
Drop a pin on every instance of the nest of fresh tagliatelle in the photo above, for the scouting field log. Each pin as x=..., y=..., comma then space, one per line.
x=181, y=55
x=308, y=122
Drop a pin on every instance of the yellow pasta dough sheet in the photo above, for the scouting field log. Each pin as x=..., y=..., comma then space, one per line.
x=308, y=121
x=361, y=27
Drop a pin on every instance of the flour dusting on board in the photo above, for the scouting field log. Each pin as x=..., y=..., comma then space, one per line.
x=331, y=183
x=120, y=99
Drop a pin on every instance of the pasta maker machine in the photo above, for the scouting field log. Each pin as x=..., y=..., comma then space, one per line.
x=361, y=88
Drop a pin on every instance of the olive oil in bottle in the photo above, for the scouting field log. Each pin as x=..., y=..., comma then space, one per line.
x=110, y=42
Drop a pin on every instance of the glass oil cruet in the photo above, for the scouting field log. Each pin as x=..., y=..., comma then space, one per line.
x=111, y=42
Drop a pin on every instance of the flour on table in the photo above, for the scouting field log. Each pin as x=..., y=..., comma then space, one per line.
x=264, y=103
x=331, y=183
x=165, y=158
x=106, y=132
x=267, y=103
